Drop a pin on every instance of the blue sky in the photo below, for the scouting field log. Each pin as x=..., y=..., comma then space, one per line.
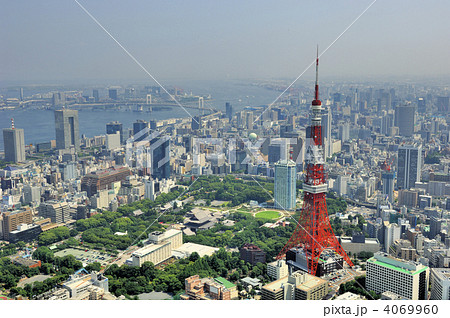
x=54, y=40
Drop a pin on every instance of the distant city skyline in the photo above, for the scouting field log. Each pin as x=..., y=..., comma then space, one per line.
x=56, y=41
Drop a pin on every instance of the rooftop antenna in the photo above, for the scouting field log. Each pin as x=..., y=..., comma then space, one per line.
x=12, y=123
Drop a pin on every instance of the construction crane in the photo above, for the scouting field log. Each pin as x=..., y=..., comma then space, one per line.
x=387, y=164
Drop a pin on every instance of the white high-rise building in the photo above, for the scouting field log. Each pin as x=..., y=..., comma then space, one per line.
x=277, y=269
x=285, y=185
x=392, y=233
x=326, y=133
x=440, y=284
x=405, y=278
x=344, y=132
x=31, y=194
x=340, y=185
x=113, y=141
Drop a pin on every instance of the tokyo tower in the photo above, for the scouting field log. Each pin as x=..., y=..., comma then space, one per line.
x=314, y=233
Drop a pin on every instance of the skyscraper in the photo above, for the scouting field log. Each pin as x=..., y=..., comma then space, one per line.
x=443, y=104
x=344, y=132
x=285, y=184
x=392, y=232
x=112, y=93
x=137, y=127
x=160, y=158
x=14, y=142
x=421, y=106
x=409, y=165
x=228, y=111
x=387, y=178
x=114, y=127
x=387, y=121
x=196, y=123
x=67, y=131
x=31, y=194
x=326, y=133
x=404, y=120
x=96, y=95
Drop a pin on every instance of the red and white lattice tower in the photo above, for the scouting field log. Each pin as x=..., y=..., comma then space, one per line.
x=314, y=233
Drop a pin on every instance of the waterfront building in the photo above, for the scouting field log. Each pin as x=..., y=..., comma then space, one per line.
x=66, y=127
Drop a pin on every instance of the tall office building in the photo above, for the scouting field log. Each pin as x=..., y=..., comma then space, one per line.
x=443, y=104
x=112, y=93
x=138, y=126
x=14, y=143
x=409, y=165
x=67, y=131
x=114, y=127
x=387, y=177
x=12, y=219
x=278, y=150
x=249, y=120
x=21, y=93
x=405, y=278
x=160, y=158
x=68, y=170
x=392, y=232
x=103, y=179
x=96, y=95
x=344, y=132
x=387, y=121
x=58, y=212
x=421, y=105
x=326, y=133
x=440, y=284
x=404, y=120
x=435, y=227
x=228, y=111
x=196, y=123
x=31, y=194
x=285, y=184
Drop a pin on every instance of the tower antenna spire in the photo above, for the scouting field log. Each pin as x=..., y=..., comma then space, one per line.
x=316, y=95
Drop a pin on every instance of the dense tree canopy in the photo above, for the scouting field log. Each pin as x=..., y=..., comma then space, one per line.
x=53, y=235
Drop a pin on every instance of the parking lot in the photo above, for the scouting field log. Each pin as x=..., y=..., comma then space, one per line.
x=86, y=256
x=340, y=277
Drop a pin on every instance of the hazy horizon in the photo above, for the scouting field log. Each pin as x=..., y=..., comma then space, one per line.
x=56, y=41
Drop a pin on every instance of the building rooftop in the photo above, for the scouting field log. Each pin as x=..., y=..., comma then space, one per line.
x=311, y=283
x=188, y=248
x=442, y=273
x=277, y=284
x=148, y=249
x=349, y=296
x=407, y=267
x=224, y=282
